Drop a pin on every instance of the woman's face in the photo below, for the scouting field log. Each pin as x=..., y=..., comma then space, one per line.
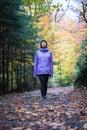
x=43, y=44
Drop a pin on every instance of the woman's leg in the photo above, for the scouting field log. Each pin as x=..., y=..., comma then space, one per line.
x=46, y=82
x=43, y=81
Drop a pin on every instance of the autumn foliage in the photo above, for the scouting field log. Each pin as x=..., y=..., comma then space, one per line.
x=64, y=39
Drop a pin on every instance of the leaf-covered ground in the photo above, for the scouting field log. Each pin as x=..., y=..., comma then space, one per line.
x=64, y=109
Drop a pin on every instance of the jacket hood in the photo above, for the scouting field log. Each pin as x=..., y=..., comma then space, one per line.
x=44, y=49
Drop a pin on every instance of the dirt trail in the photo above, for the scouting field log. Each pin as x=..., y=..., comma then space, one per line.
x=64, y=109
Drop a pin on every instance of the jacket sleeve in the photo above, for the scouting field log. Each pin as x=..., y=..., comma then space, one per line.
x=35, y=65
x=51, y=61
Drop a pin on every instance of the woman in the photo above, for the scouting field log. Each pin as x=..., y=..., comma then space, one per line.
x=43, y=66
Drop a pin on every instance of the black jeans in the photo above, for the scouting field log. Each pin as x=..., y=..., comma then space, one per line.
x=43, y=81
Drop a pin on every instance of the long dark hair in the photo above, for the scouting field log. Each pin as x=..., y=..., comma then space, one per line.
x=41, y=43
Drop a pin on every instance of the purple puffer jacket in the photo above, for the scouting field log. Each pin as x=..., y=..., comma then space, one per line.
x=43, y=63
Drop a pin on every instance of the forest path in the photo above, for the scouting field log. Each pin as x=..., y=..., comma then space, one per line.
x=64, y=109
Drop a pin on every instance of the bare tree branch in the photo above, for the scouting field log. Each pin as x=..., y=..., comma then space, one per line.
x=81, y=9
x=84, y=11
x=62, y=14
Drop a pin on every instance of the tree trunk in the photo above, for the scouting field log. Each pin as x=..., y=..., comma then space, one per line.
x=3, y=62
x=7, y=68
x=24, y=67
x=12, y=70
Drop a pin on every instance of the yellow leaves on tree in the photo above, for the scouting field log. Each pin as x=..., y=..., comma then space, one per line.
x=64, y=39
x=45, y=26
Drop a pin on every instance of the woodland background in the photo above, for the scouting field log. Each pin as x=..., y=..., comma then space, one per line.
x=24, y=23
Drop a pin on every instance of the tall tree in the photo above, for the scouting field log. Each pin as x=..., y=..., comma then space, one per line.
x=81, y=67
x=24, y=61
x=80, y=8
x=9, y=23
